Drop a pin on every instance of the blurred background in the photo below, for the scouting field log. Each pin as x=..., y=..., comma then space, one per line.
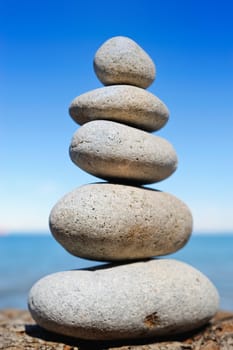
x=47, y=50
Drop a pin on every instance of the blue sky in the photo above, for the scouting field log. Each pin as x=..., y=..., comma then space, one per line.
x=47, y=50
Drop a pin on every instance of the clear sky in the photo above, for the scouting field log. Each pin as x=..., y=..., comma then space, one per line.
x=46, y=59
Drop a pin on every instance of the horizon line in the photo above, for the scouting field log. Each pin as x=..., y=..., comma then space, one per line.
x=47, y=232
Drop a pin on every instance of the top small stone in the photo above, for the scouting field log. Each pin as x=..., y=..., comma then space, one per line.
x=121, y=61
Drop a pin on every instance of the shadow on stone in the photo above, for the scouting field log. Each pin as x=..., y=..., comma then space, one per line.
x=39, y=332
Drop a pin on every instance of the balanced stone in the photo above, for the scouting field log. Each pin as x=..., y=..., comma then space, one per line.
x=121, y=61
x=121, y=103
x=111, y=150
x=116, y=222
x=142, y=299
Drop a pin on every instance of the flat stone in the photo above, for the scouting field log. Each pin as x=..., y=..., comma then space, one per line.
x=121, y=103
x=122, y=61
x=142, y=299
x=116, y=222
x=111, y=150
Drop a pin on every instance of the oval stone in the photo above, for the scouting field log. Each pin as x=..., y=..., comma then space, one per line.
x=115, y=222
x=121, y=103
x=118, y=152
x=120, y=60
x=138, y=300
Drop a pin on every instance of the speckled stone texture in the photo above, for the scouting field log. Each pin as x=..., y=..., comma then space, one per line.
x=121, y=103
x=142, y=299
x=110, y=150
x=115, y=222
x=121, y=61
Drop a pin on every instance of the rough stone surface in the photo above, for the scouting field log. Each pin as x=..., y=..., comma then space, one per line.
x=121, y=61
x=116, y=222
x=121, y=103
x=18, y=331
x=137, y=300
x=111, y=150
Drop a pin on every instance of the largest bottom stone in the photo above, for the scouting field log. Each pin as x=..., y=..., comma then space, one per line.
x=142, y=299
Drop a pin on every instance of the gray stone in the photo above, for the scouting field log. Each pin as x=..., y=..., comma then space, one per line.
x=142, y=299
x=111, y=150
x=121, y=61
x=116, y=222
x=121, y=103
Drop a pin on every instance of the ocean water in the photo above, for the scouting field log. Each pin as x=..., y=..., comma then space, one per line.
x=26, y=258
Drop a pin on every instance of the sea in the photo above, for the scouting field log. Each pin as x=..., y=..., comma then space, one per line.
x=25, y=258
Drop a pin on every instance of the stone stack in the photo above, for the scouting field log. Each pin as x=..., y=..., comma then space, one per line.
x=120, y=221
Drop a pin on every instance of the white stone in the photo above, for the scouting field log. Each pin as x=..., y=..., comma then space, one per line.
x=111, y=150
x=142, y=299
x=121, y=103
x=120, y=60
x=116, y=222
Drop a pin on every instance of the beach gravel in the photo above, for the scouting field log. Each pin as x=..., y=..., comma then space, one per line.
x=18, y=331
x=137, y=300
